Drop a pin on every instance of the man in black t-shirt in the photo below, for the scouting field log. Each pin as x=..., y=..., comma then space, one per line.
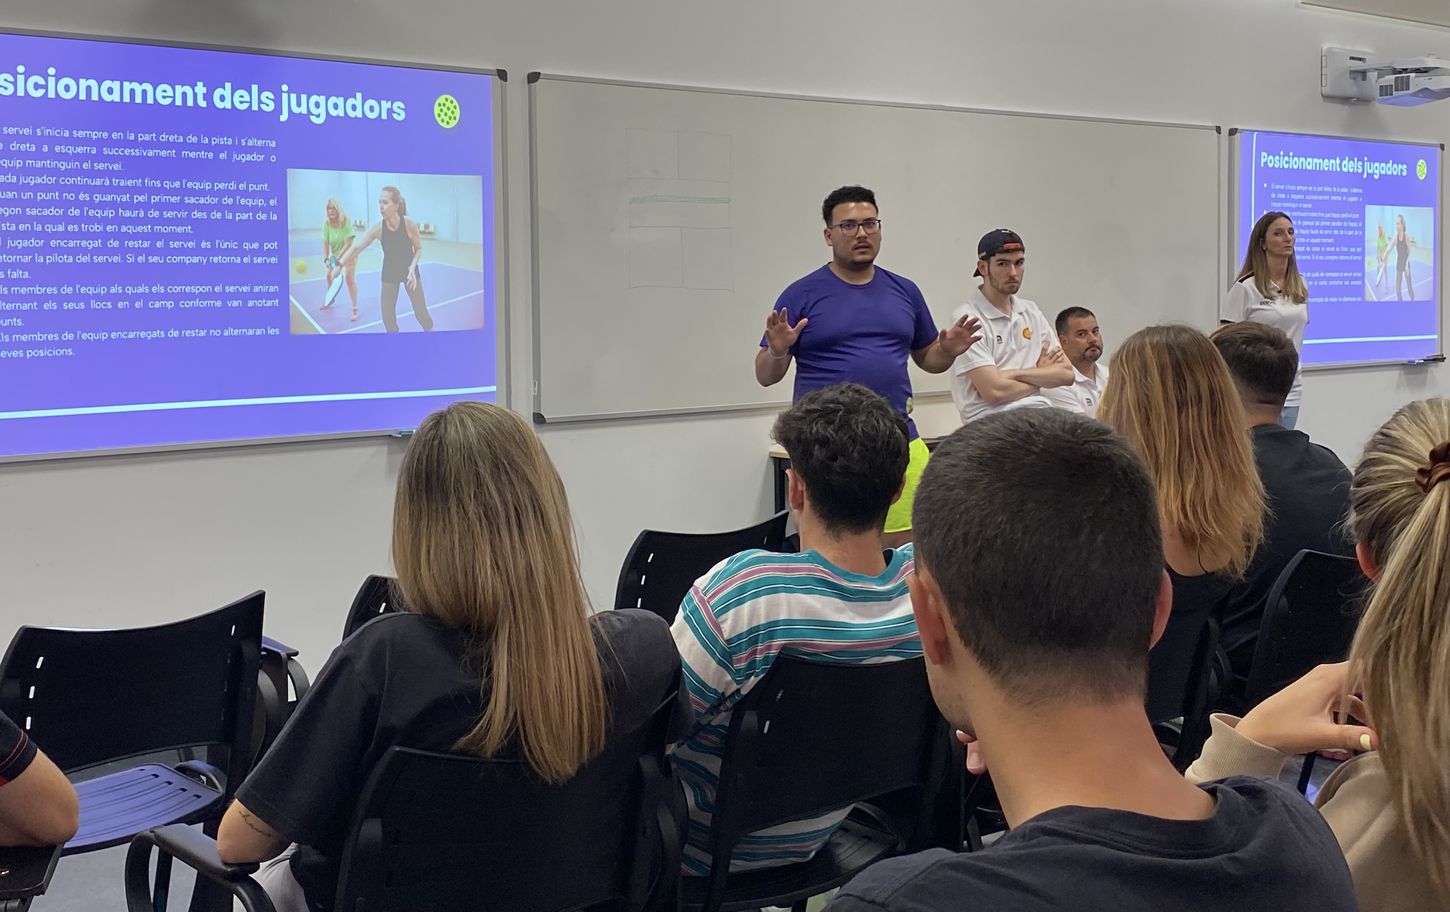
x=1044, y=667
x=1306, y=487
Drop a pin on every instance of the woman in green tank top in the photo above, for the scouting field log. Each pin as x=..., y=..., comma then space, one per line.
x=337, y=237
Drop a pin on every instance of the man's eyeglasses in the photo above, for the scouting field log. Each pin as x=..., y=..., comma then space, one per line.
x=850, y=226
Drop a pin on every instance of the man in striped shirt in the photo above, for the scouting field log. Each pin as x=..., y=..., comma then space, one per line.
x=840, y=599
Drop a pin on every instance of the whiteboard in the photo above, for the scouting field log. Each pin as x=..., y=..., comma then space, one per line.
x=668, y=219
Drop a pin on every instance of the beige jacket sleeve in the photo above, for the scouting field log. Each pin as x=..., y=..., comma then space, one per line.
x=1229, y=753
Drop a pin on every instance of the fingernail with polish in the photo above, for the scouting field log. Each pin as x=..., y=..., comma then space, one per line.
x=1364, y=742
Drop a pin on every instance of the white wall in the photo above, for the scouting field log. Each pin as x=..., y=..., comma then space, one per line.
x=145, y=538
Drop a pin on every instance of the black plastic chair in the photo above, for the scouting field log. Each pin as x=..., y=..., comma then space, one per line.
x=93, y=697
x=786, y=759
x=377, y=595
x=662, y=566
x=25, y=873
x=447, y=833
x=1181, y=684
x=281, y=684
x=1310, y=617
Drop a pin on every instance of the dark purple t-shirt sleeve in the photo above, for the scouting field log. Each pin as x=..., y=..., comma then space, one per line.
x=16, y=750
x=924, y=332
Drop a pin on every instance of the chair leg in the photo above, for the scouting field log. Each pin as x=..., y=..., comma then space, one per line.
x=162, y=890
x=973, y=842
x=1306, y=773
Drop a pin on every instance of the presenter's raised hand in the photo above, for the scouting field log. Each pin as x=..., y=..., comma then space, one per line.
x=960, y=336
x=779, y=334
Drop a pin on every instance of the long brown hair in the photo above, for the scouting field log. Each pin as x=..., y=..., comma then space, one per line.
x=1401, y=653
x=1256, y=263
x=483, y=542
x=1171, y=395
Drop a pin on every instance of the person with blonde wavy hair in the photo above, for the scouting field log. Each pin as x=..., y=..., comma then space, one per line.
x=1390, y=805
x=1172, y=397
x=494, y=654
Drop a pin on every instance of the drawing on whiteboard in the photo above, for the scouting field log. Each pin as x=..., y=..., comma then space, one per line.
x=679, y=210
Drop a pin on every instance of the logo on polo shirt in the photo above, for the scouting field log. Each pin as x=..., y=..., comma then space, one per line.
x=1026, y=332
x=999, y=338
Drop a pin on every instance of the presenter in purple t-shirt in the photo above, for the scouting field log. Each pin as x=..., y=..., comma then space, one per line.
x=854, y=321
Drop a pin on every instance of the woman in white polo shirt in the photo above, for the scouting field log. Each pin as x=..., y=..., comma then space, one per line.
x=1270, y=290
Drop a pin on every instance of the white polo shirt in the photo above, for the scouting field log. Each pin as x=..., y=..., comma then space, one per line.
x=1244, y=302
x=1009, y=341
x=1084, y=394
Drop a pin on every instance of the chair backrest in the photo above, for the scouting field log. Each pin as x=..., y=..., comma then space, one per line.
x=377, y=595
x=662, y=566
x=815, y=736
x=1310, y=618
x=444, y=832
x=92, y=696
x=1181, y=661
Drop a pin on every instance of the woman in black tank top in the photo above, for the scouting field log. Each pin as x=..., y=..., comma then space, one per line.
x=402, y=248
x=1403, y=243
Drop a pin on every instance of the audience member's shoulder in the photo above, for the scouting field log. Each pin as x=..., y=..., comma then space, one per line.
x=744, y=566
x=634, y=628
x=1270, y=797
x=935, y=879
x=637, y=645
x=640, y=663
x=387, y=631
x=399, y=644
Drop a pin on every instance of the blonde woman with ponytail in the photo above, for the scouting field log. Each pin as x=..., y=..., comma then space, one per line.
x=1389, y=806
x=496, y=654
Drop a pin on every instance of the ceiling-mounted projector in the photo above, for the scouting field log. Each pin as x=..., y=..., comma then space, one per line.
x=1348, y=75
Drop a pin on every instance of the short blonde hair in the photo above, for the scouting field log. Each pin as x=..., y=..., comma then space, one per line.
x=1170, y=394
x=483, y=542
x=1401, y=653
x=341, y=212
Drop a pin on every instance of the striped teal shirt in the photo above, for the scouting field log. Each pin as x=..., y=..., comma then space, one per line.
x=733, y=623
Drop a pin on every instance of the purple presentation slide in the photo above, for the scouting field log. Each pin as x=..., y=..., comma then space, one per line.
x=1365, y=216
x=201, y=245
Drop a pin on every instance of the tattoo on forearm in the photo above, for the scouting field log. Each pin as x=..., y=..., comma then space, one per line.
x=256, y=825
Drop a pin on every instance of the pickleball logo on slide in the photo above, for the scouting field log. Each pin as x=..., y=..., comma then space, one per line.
x=446, y=111
x=1421, y=169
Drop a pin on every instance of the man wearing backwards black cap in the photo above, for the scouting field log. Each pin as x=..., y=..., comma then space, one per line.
x=1017, y=355
x=853, y=321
